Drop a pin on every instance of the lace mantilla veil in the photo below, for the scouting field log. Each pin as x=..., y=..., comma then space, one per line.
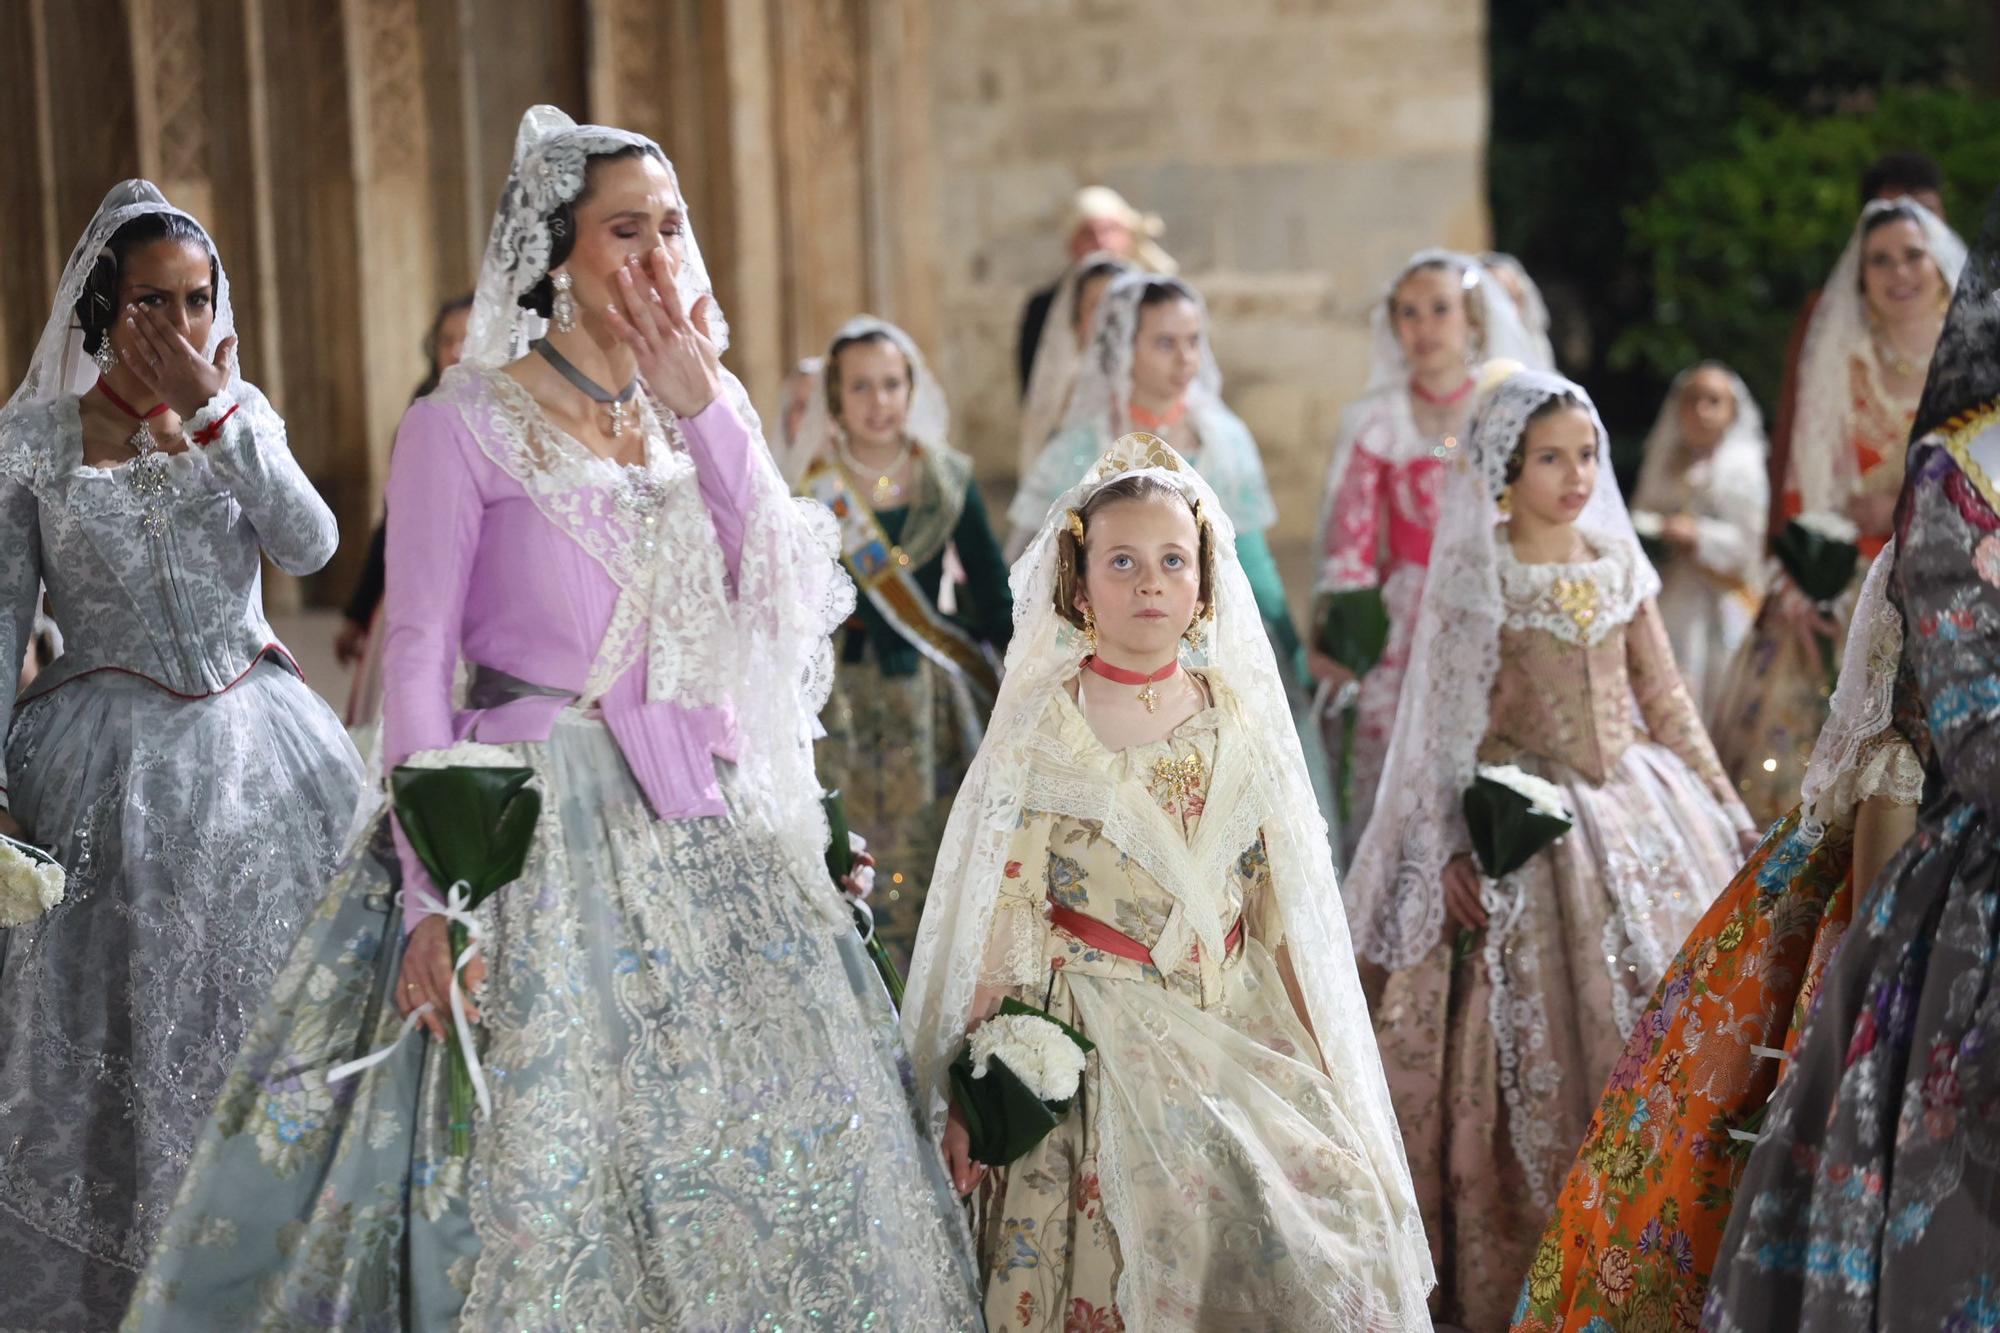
x=1015, y=771
x=790, y=592
x=928, y=424
x=1533, y=310
x=1821, y=461
x=1052, y=379
x=1503, y=338
x=1664, y=457
x=1397, y=879
x=1100, y=412
x=60, y=366
x=1964, y=375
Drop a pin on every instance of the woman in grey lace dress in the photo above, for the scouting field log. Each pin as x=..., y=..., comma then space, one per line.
x=172, y=759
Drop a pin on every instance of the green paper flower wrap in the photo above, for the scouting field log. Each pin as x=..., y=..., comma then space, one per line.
x=1819, y=553
x=1004, y=1116
x=472, y=826
x=839, y=865
x=1510, y=816
x=1353, y=630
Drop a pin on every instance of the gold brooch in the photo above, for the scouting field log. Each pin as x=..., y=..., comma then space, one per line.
x=1577, y=599
x=1181, y=777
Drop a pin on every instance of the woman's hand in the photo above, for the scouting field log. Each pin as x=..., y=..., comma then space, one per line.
x=1325, y=669
x=965, y=1173
x=1808, y=622
x=426, y=977
x=677, y=358
x=1461, y=892
x=855, y=884
x=11, y=827
x=170, y=365
x=1679, y=531
x=351, y=644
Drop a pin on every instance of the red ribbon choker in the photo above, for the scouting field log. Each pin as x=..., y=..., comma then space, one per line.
x=1124, y=677
x=111, y=395
x=1442, y=399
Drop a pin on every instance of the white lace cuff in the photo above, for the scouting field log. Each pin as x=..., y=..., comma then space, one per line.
x=1887, y=767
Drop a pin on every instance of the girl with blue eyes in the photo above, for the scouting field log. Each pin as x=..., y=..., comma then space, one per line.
x=1138, y=850
x=195, y=790
x=1502, y=1005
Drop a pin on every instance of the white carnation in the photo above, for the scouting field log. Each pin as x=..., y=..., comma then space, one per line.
x=1648, y=524
x=1542, y=794
x=30, y=884
x=1832, y=527
x=465, y=754
x=1041, y=1054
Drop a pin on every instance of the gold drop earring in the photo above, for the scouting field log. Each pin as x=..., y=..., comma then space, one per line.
x=1090, y=631
x=1506, y=501
x=1196, y=636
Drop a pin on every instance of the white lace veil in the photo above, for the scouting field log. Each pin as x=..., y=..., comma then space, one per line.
x=1057, y=357
x=1821, y=463
x=1396, y=881
x=1964, y=374
x=929, y=421
x=1007, y=778
x=1665, y=458
x=1532, y=309
x=790, y=592
x=1100, y=411
x=1499, y=335
x=60, y=367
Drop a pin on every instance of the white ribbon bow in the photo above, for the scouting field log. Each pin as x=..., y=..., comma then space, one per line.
x=455, y=908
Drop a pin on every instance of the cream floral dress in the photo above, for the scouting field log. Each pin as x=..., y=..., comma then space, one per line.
x=1207, y=1142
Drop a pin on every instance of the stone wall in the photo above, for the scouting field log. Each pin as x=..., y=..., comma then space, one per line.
x=1297, y=150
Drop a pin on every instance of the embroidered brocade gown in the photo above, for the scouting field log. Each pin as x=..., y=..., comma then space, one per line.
x=1635, y=1234
x=1774, y=701
x=1206, y=1142
x=198, y=793
x=1869, y=1202
x=900, y=730
x=1495, y=1063
x=698, y=1120
x=1378, y=531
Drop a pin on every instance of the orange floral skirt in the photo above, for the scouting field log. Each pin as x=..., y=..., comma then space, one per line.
x=1642, y=1213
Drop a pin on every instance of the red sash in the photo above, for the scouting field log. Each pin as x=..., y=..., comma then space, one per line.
x=1094, y=934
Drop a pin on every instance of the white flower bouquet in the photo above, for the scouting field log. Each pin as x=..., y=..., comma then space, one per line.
x=1014, y=1081
x=31, y=883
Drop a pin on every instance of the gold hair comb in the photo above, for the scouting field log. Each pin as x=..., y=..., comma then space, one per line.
x=1076, y=525
x=1136, y=451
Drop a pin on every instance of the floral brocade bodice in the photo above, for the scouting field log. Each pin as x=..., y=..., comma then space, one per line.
x=1077, y=864
x=1586, y=671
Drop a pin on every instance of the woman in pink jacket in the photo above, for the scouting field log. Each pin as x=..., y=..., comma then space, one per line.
x=694, y=1116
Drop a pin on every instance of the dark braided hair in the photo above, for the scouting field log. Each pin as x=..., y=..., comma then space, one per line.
x=97, y=304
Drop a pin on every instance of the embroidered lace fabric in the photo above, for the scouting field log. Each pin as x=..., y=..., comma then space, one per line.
x=1021, y=768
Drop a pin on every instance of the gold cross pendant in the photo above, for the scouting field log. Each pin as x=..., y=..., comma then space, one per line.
x=1149, y=697
x=618, y=411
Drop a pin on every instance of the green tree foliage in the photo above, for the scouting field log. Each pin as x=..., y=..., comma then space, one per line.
x=1735, y=241
x=1597, y=105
